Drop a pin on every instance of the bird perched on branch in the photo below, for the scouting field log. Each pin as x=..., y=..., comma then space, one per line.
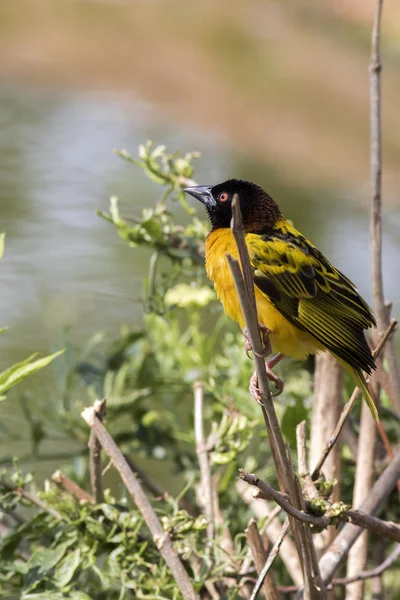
x=304, y=304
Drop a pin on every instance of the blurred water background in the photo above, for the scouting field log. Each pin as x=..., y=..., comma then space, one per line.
x=269, y=91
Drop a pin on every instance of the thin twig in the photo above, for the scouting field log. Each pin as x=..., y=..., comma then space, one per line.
x=284, y=469
x=358, y=517
x=344, y=581
x=339, y=549
x=206, y=483
x=96, y=470
x=375, y=70
x=272, y=556
x=309, y=489
x=363, y=482
x=260, y=557
x=349, y=405
x=31, y=498
x=272, y=528
x=375, y=572
x=69, y=486
x=160, y=537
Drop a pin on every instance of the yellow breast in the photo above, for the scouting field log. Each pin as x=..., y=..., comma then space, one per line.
x=285, y=337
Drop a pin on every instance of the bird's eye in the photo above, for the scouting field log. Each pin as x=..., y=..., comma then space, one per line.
x=223, y=197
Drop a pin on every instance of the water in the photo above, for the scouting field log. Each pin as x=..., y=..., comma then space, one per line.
x=66, y=267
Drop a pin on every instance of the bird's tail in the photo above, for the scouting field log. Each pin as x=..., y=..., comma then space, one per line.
x=362, y=385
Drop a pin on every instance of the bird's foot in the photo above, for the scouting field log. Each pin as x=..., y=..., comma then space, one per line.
x=279, y=384
x=265, y=332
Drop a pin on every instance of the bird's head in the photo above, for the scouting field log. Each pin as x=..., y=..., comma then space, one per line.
x=259, y=210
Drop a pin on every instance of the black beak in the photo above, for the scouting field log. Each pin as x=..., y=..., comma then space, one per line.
x=202, y=193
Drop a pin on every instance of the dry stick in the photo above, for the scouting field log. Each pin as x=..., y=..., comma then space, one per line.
x=348, y=407
x=339, y=549
x=31, y=498
x=363, y=481
x=272, y=556
x=96, y=471
x=386, y=564
x=375, y=69
x=263, y=510
x=69, y=486
x=358, y=517
x=284, y=468
x=206, y=484
x=310, y=491
x=160, y=537
x=260, y=557
x=344, y=581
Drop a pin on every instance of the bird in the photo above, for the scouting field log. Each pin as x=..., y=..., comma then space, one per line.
x=304, y=304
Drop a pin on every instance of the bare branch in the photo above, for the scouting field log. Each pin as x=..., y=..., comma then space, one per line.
x=160, y=537
x=206, y=484
x=96, y=471
x=362, y=519
x=260, y=557
x=339, y=549
x=286, y=477
x=375, y=69
x=272, y=528
x=31, y=498
x=344, y=581
x=71, y=487
x=386, y=564
x=309, y=490
x=263, y=575
x=348, y=407
x=363, y=481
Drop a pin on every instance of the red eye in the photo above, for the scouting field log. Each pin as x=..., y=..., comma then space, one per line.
x=223, y=197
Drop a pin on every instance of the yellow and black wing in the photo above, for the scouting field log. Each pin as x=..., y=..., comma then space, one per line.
x=311, y=293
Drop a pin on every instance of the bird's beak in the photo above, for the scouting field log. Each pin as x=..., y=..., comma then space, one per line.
x=202, y=193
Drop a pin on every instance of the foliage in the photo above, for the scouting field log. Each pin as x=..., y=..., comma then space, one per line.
x=19, y=371
x=147, y=375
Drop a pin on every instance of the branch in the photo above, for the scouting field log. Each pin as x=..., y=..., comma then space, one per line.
x=343, y=581
x=206, y=484
x=272, y=556
x=260, y=559
x=262, y=510
x=383, y=528
x=375, y=69
x=349, y=406
x=31, y=498
x=375, y=572
x=160, y=537
x=357, y=556
x=309, y=489
x=96, y=471
x=339, y=549
x=71, y=487
x=284, y=468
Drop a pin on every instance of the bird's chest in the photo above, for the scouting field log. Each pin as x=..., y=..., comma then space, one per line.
x=218, y=244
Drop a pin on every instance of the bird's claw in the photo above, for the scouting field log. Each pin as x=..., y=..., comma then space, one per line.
x=266, y=351
x=279, y=384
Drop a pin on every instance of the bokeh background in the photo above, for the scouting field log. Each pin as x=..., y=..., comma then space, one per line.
x=272, y=91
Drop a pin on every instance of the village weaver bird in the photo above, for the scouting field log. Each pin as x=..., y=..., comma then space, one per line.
x=304, y=304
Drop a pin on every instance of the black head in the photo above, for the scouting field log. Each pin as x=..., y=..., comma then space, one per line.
x=258, y=208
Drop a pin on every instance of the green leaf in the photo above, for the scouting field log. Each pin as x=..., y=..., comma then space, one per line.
x=66, y=569
x=20, y=370
x=47, y=558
